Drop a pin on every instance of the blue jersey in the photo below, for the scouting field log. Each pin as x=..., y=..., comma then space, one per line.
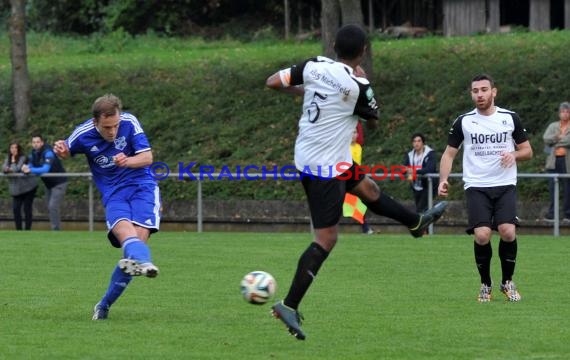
x=130, y=140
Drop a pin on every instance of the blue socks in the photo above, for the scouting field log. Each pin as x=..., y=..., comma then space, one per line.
x=136, y=249
x=133, y=248
x=118, y=284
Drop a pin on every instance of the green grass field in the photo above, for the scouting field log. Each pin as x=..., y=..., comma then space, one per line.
x=376, y=297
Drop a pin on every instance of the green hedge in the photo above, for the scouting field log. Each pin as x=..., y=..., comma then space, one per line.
x=206, y=102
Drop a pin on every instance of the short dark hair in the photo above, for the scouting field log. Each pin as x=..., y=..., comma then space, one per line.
x=38, y=135
x=106, y=105
x=350, y=42
x=420, y=135
x=483, y=77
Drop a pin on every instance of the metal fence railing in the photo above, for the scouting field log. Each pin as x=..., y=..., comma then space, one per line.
x=87, y=175
x=556, y=177
x=199, y=204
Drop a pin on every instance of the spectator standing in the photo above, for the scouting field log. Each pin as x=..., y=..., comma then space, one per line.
x=43, y=160
x=21, y=188
x=423, y=158
x=557, y=140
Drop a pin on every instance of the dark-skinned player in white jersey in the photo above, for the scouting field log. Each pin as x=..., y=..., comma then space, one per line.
x=493, y=141
x=335, y=97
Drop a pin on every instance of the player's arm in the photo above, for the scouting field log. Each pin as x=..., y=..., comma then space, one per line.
x=366, y=107
x=523, y=152
x=139, y=160
x=445, y=169
x=274, y=82
x=372, y=123
x=454, y=140
x=288, y=80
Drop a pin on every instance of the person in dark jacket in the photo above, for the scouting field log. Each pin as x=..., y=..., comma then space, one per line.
x=43, y=160
x=21, y=188
x=423, y=157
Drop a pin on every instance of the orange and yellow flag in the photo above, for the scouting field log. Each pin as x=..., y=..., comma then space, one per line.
x=353, y=207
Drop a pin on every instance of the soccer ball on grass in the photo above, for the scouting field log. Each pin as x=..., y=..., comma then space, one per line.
x=258, y=287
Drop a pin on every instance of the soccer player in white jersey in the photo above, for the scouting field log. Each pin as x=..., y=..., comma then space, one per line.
x=335, y=97
x=118, y=153
x=493, y=141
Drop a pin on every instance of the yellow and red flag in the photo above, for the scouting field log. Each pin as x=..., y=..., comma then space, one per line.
x=353, y=207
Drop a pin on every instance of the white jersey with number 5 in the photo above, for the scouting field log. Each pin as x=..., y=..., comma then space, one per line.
x=334, y=100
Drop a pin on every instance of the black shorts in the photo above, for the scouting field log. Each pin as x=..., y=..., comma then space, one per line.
x=491, y=206
x=326, y=196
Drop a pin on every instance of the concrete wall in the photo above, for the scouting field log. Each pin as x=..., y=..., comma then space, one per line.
x=266, y=216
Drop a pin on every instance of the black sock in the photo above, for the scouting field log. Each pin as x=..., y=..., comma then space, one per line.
x=508, y=256
x=309, y=264
x=483, y=255
x=387, y=206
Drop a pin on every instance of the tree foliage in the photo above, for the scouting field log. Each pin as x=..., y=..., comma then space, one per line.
x=171, y=17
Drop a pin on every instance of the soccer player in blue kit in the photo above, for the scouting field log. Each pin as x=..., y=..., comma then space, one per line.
x=119, y=153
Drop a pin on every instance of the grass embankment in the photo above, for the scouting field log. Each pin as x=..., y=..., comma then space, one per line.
x=206, y=102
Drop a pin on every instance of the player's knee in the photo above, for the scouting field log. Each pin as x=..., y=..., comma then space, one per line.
x=367, y=190
x=483, y=235
x=507, y=232
x=326, y=238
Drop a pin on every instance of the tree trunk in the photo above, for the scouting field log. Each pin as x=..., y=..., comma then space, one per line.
x=312, y=17
x=539, y=15
x=384, y=12
x=370, y=16
x=463, y=17
x=351, y=12
x=330, y=19
x=494, y=19
x=567, y=14
x=299, y=18
x=287, y=20
x=410, y=12
x=18, y=57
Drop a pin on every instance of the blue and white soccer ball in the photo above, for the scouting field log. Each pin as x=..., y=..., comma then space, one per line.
x=258, y=287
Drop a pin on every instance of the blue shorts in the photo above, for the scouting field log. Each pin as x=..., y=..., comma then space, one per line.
x=137, y=203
